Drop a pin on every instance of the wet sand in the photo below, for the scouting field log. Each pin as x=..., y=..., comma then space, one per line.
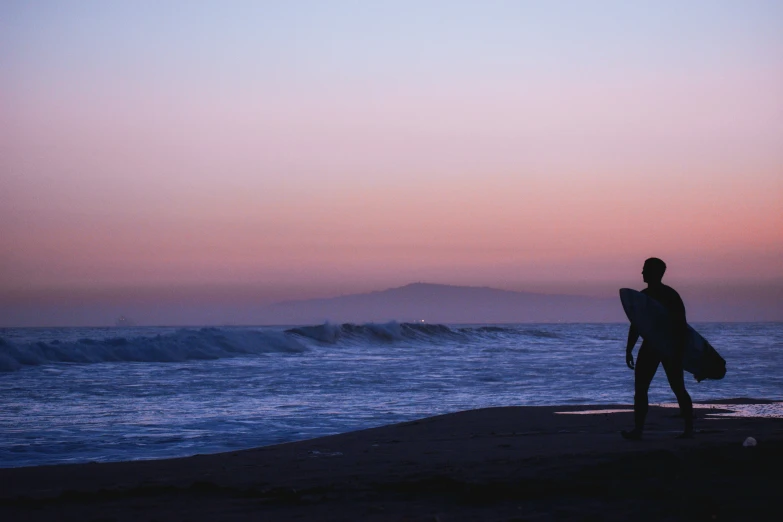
x=514, y=463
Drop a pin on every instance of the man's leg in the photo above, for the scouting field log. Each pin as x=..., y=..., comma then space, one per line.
x=646, y=365
x=676, y=376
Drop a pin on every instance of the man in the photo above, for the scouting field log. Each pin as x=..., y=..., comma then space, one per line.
x=648, y=358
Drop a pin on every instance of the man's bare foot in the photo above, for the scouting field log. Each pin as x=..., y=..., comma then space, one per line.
x=634, y=434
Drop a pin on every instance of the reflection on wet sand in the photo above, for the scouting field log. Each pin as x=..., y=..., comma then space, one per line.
x=772, y=410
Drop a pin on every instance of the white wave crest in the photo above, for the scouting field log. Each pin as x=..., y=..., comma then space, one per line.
x=182, y=345
x=376, y=332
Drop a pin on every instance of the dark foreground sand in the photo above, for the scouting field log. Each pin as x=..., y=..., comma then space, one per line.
x=526, y=463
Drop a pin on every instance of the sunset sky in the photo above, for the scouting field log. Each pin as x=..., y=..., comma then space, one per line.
x=292, y=149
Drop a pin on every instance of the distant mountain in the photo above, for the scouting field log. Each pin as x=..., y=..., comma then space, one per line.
x=429, y=302
x=435, y=303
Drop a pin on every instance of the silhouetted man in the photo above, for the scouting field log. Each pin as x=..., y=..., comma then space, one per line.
x=648, y=358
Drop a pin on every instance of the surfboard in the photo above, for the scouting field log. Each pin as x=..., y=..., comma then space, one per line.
x=654, y=324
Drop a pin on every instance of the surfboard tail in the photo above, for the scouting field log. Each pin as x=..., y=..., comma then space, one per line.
x=713, y=365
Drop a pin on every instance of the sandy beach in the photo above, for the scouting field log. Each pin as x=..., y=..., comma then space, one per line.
x=513, y=463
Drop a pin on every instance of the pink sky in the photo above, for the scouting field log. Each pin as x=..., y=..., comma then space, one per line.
x=183, y=167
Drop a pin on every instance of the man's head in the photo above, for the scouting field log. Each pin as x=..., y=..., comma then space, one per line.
x=653, y=270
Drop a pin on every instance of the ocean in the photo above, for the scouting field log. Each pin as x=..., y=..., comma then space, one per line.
x=124, y=393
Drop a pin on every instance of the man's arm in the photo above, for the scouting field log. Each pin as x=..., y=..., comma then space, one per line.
x=633, y=336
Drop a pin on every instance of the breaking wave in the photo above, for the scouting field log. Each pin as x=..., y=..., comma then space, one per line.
x=219, y=343
x=373, y=332
x=182, y=345
x=541, y=334
x=393, y=331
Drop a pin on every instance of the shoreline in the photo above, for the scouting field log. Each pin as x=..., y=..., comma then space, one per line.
x=743, y=406
x=487, y=464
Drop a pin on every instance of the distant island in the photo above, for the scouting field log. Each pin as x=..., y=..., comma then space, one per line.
x=415, y=302
x=437, y=303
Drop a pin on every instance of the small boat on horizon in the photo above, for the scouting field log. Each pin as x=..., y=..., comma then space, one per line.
x=124, y=321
